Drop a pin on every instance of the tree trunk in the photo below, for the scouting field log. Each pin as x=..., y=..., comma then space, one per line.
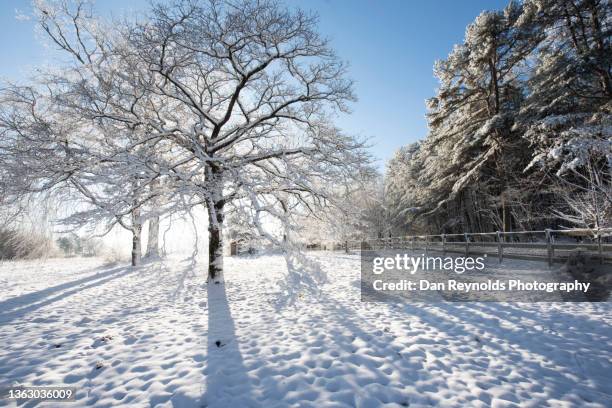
x=153, y=241
x=153, y=238
x=494, y=81
x=215, y=242
x=136, y=235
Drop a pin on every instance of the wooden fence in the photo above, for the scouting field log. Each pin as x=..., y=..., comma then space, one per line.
x=547, y=245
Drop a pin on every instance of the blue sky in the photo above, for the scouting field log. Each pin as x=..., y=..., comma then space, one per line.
x=391, y=46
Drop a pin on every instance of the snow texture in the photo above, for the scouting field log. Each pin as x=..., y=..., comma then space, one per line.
x=158, y=336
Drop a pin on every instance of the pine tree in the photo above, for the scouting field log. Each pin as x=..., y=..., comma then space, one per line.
x=471, y=145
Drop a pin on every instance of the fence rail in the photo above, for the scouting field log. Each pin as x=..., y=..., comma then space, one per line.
x=548, y=245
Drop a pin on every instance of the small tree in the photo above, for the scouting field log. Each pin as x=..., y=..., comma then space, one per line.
x=586, y=194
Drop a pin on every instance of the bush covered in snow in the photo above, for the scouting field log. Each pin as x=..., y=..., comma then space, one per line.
x=21, y=244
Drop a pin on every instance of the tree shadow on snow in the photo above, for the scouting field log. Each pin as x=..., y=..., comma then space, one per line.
x=187, y=272
x=15, y=307
x=227, y=381
x=557, y=337
x=533, y=348
x=528, y=351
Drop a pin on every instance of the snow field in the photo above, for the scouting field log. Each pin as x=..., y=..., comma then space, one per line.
x=158, y=336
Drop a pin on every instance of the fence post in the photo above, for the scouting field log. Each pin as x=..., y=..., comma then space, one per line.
x=443, y=244
x=500, y=247
x=599, y=247
x=412, y=243
x=467, y=243
x=426, y=244
x=549, y=247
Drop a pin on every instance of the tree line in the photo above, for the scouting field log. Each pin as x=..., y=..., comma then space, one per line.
x=520, y=128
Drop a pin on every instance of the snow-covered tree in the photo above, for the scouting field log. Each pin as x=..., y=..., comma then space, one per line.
x=523, y=108
x=587, y=200
x=49, y=148
x=356, y=212
x=471, y=142
x=257, y=84
x=567, y=114
x=405, y=191
x=60, y=134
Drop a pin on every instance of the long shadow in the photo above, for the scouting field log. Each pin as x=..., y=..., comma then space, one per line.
x=227, y=381
x=530, y=368
x=536, y=342
x=32, y=297
x=539, y=344
x=541, y=341
x=15, y=307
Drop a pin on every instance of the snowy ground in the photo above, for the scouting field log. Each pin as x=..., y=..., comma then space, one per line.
x=148, y=337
